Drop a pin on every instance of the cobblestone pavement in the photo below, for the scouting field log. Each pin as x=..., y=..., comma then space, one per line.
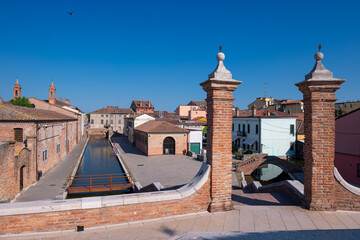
x=245, y=222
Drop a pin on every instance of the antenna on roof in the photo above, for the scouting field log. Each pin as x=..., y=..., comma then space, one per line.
x=265, y=89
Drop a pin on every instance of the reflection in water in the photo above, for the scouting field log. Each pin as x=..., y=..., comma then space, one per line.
x=99, y=158
x=269, y=173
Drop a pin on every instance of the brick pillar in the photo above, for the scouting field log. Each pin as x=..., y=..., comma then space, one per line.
x=319, y=107
x=219, y=88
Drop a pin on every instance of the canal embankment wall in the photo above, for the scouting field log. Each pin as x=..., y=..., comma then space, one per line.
x=74, y=170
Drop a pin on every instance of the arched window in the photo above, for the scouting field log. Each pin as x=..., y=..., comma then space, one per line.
x=18, y=134
x=52, y=94
x=16, y=93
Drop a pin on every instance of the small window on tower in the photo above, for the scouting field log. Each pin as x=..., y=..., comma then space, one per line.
x=16, y=93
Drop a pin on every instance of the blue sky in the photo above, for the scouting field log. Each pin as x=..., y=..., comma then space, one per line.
x=111, y=52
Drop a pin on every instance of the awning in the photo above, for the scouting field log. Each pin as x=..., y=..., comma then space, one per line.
x=249, y=141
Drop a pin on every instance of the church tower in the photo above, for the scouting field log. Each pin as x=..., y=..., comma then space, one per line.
x=52, y=93
x=17, y=89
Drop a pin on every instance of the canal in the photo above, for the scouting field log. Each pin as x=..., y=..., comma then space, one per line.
x=99, y=159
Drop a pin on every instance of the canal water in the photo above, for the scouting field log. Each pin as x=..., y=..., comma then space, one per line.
x=267, y=174
x=99, y=158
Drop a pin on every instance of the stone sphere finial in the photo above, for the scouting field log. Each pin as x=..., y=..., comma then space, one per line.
x=220, y=56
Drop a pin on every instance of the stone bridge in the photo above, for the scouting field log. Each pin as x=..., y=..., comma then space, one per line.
x=253, y=161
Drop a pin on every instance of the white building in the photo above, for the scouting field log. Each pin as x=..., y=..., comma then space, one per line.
x=265, y=131
x=195, y=139
x=134, y=121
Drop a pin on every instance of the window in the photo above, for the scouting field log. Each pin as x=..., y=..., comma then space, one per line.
x=257, y=131
x=239, y=127
x=18, y=134
x=45, y=155
x=232, y=127
x=16, y=93
x=256, y=145
x=92, y=121
x=119, y=121
x=244, y=128
x=106, y=115
x=102, y=121
x=248, y=128
x=107, y=122
x=102, y=115
x=292, y=129
x=58, y=148
x=111, y=121
x=350, y=105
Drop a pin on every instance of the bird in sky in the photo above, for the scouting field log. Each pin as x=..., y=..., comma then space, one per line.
x=70, y=13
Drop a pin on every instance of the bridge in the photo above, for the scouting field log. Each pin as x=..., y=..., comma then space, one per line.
x=100, y=183
x=249, y=165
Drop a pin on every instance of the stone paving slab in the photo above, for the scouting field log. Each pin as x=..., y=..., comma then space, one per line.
x=169, y=170
x=51, y=184
x=246, y=222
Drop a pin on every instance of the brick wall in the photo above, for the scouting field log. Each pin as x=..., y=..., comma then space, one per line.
x=156, y=141
x=69, y=219
x=10, y=165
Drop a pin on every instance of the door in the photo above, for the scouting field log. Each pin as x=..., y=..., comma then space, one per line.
x=195, y=147
x=169, y=146
x=22, y=178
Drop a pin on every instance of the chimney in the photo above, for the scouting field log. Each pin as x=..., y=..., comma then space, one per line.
x=253, y=111
x=60, y=99
x=67, y=101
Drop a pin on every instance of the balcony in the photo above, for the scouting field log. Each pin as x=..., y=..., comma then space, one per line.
x=241, y=134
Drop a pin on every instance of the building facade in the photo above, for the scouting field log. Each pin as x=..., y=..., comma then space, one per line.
x=265, y=131
x=134, y=121
x=347, y=146
x=111, y=116
x=32, y=142
x=346, y=107
x=160, y=137
x=142, y=106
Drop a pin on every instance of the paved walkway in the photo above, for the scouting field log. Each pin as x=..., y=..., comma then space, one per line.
x=53, y=182
x=245, y=222
x=169, y=170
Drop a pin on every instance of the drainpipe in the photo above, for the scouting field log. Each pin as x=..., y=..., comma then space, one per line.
x=260, y=148
x=36, y=150
x=77, y=130
x=66, y=138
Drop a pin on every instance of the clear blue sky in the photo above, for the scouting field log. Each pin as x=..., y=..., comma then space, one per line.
x=111, y=52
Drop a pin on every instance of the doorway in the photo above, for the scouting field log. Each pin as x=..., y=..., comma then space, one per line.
x=169, y=146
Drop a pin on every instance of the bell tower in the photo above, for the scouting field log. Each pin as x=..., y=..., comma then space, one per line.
x=52, y=90
x=17, y=89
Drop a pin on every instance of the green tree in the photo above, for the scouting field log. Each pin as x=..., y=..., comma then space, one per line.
x=339, y=113
x=24, y=102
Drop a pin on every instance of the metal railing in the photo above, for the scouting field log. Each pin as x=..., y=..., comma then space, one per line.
x=100, y=183
x=241, y=133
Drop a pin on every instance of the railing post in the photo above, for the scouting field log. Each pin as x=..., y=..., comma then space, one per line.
x=110, y=182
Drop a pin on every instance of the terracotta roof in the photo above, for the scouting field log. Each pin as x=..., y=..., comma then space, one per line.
x=60, y=104
x=197, y=103
x=113, y=110
x=264, y=112
x=141, y=104
x=13, y=113
x=290, y=102
x=160, y=127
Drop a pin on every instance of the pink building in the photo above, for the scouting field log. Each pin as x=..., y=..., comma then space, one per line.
x=347, y=146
